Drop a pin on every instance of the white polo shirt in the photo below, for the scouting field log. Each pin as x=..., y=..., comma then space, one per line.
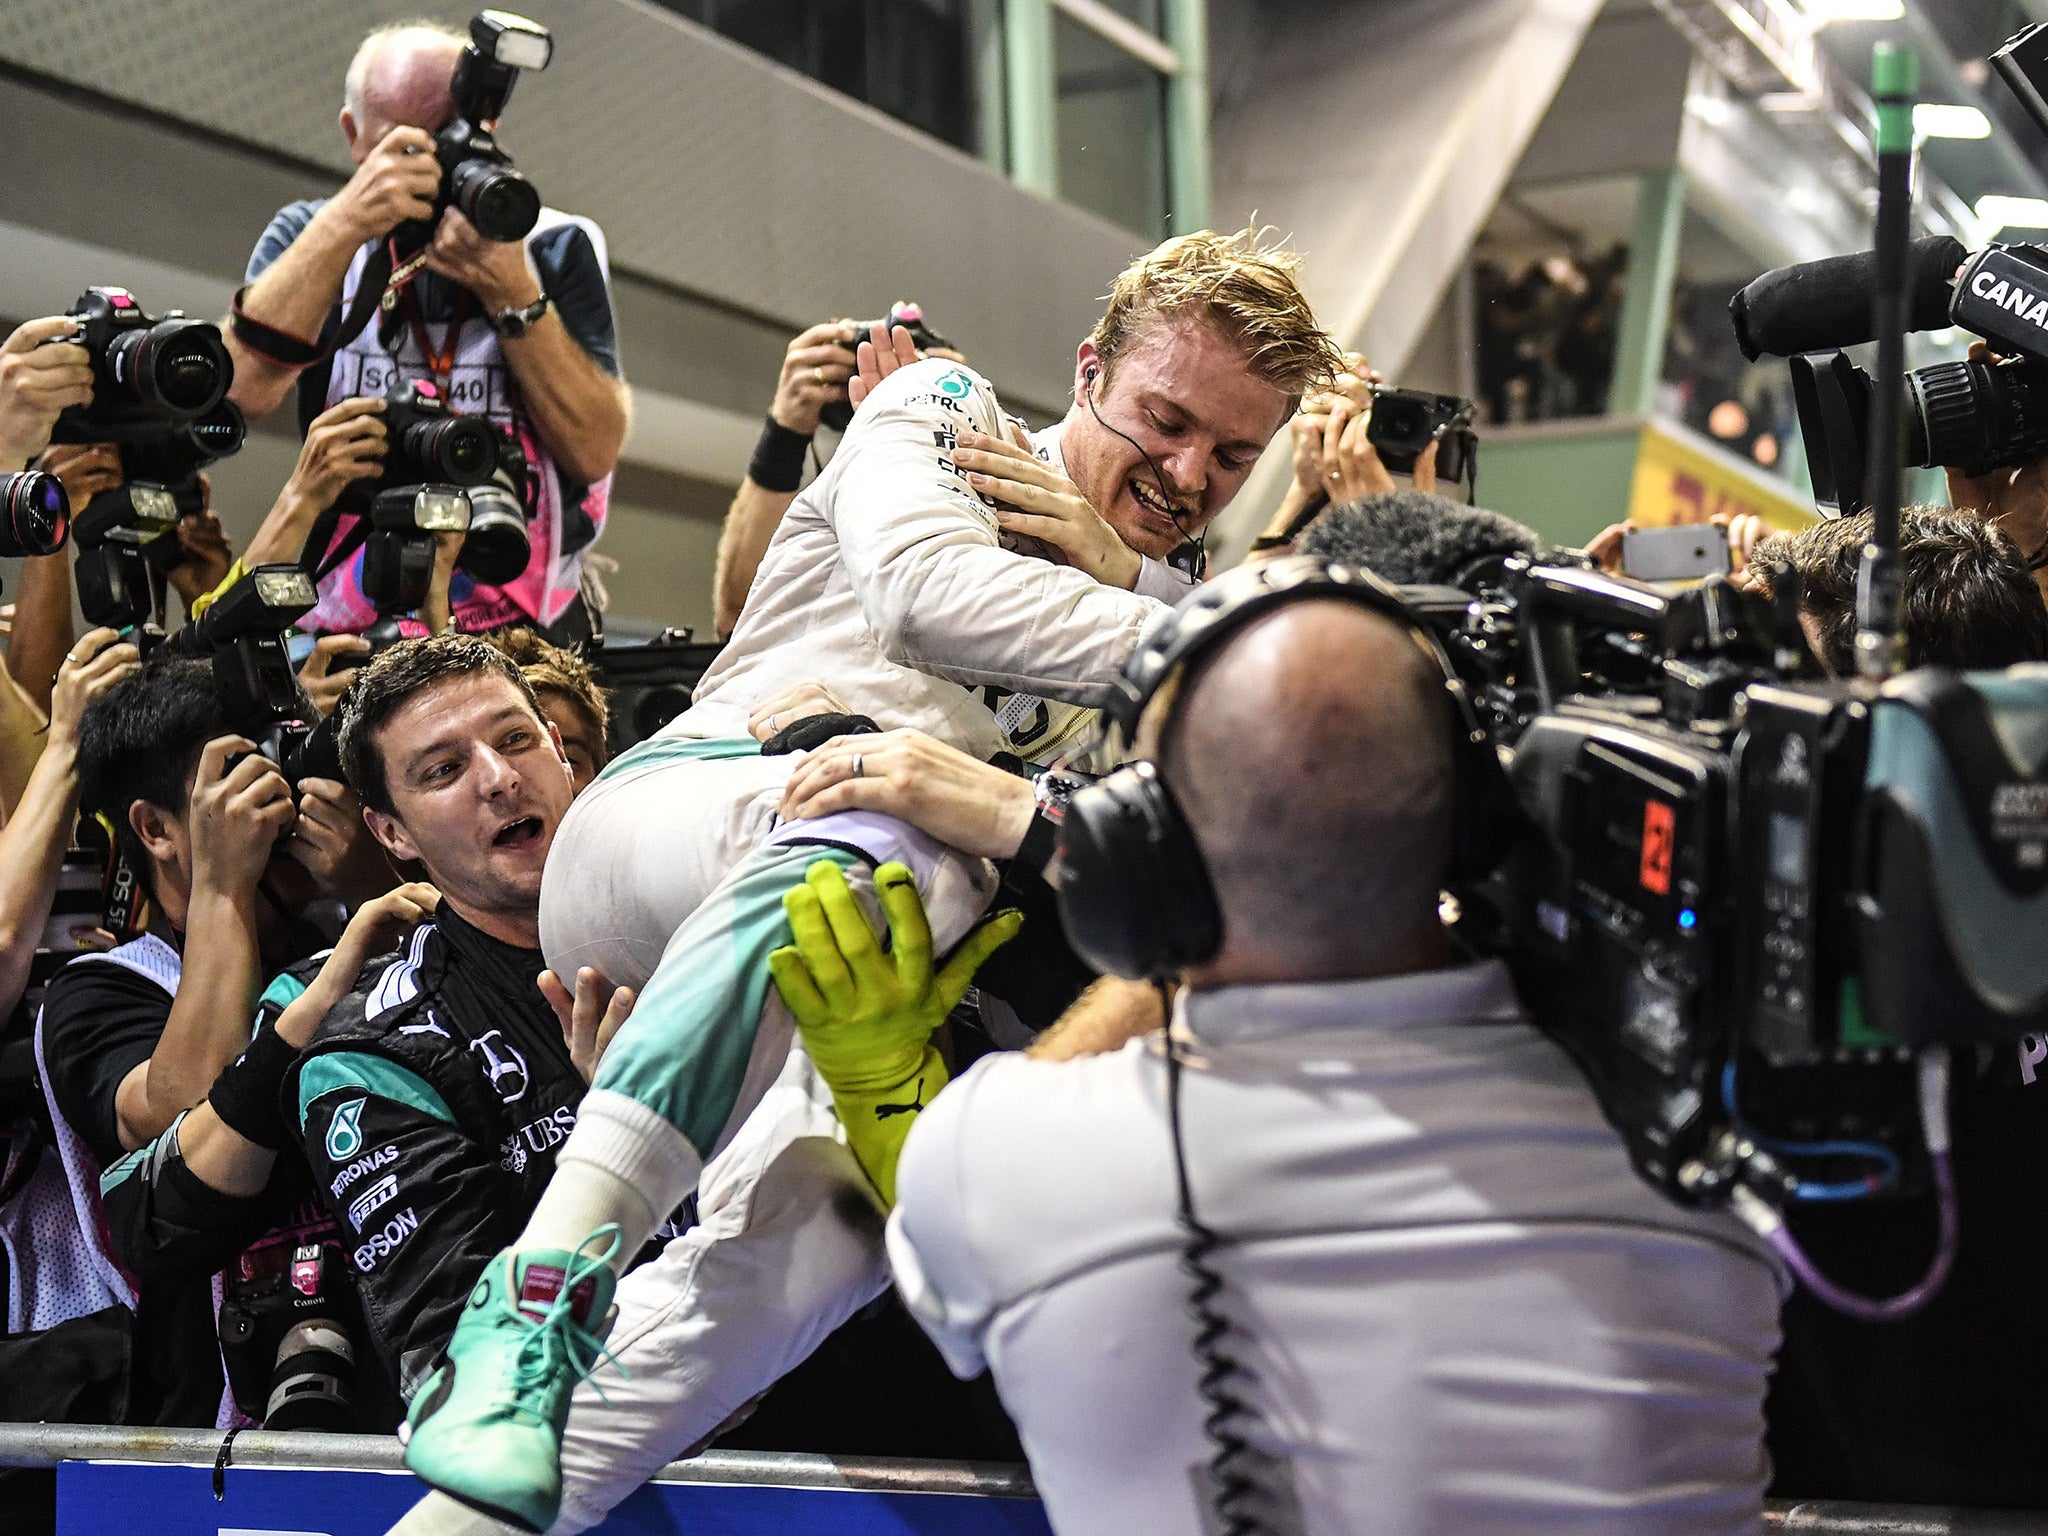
x=1464, y=1310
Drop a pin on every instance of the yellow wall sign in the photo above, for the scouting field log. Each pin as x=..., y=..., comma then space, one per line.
x=1681, y=477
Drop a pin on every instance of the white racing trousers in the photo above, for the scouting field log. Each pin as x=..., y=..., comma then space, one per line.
x=667, y=876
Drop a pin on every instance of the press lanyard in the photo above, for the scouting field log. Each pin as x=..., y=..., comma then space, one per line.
x=440, y=364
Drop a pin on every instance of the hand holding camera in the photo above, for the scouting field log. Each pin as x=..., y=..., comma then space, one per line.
x=238, y=814
x=42, y=375
x=345, y=443
x=815, y=371
x=495, y=271
x=397, y=182
x=92, y=666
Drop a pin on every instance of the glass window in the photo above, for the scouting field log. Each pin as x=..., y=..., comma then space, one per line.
x=1112, y=130
x=913, y=59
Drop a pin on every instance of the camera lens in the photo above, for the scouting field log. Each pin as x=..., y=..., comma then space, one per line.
x=497, y=547
x=183, y=449
x=460, y=450
x=314, y=1380
x=35, y=514
x=179, y=367
x=500, y=202
x=1976, y=416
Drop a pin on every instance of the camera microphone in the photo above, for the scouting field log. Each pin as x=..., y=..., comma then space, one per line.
x=1192, y=555
x=1819, y=305
x=1418, y=538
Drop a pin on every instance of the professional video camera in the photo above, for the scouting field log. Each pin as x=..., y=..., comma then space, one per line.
x=1969, y=415
x=145, y=372
x=837, y=414
x=241, y=633
x=35, y=514
x=1747, y=897
x=477, y=175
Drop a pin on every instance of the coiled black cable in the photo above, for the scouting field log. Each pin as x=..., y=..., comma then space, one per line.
x=1231, y=1483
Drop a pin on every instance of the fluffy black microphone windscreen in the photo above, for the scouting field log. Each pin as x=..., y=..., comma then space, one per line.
x=1819, y=305
x=1416, y=538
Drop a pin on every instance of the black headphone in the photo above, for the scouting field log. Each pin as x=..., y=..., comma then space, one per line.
x=1134, y=894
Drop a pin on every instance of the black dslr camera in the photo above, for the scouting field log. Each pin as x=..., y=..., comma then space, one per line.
x=127, y=536
x=289, y=1319
x=1406, y=421
x=35, y=514
x=145, y=372
x=837, y=414
x=477, y=175
x=242, y=635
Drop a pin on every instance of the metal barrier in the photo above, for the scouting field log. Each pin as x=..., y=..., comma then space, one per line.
x=47, y=1445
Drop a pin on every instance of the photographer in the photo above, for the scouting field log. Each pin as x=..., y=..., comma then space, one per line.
x=132, y=1038
x=1334, y=459
x=520, y=331
x=1465, y=1200
x=816, y=370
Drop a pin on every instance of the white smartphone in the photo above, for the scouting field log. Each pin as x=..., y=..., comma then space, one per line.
x=1684, y=553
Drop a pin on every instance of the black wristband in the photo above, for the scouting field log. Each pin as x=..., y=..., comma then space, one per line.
x=245, y=1095
x=778, y=461
x=1041, y=840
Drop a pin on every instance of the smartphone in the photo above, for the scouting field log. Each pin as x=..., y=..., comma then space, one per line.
x=1684, y=553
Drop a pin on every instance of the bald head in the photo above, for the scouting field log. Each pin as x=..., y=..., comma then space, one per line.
x=1312, y=758
x=399, y=78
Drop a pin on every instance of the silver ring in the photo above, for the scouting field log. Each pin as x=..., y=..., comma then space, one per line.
x=858, y=770
x=771, y=725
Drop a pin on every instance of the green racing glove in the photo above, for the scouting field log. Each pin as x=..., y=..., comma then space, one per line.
x=866, y=1014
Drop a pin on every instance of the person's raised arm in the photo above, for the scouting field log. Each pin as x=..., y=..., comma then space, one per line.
x=42, y=373
x=344, y=444
x=236, y=816
x=231, y=1141
x=580, y=411
x=398, y=180
x=33, y=842
x=815, y=369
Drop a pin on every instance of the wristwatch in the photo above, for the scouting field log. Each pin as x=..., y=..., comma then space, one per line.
x=515, y=323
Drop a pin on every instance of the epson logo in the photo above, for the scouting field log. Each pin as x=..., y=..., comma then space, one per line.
x=379, y=1193
x=381, y=1245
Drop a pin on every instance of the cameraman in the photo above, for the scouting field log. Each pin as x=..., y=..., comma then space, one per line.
x=1451, y=1305
x=523, y=333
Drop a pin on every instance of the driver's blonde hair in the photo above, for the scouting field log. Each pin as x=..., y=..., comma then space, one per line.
x=1235, y=282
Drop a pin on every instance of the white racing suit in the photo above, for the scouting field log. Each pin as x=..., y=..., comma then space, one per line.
x=887, y=582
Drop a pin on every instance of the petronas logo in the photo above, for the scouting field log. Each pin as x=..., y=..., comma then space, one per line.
x=344, y=1131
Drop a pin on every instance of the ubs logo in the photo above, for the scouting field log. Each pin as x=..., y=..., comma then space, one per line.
x=503, y=1065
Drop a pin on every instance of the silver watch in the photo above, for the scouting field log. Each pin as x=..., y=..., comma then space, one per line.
x=515, y=323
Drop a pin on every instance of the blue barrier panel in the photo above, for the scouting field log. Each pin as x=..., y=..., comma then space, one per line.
x=127, y=1498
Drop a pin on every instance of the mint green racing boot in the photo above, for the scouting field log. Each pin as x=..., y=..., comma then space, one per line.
x=486, y=1428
